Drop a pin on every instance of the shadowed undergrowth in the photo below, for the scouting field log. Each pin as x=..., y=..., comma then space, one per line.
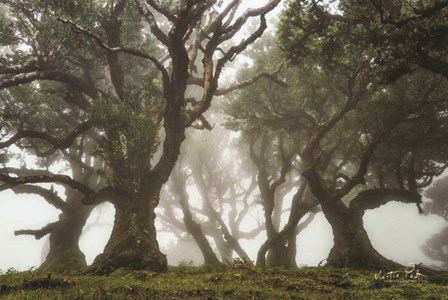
x=230, y=282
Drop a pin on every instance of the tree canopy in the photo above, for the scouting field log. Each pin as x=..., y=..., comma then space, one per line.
x=400, y=35
x=362, y=140
x=345, y=108
x=119, y=72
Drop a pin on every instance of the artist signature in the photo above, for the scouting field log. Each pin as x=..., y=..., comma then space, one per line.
x=410, y=274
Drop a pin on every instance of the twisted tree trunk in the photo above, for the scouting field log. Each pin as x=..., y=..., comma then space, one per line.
x=133, y=241
x=280, y=248
x=352, y=247
x=64, y=252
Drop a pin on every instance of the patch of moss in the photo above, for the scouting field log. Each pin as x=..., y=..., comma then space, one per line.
x=228, y=282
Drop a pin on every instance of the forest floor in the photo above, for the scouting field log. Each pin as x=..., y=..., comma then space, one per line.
x=236, y=281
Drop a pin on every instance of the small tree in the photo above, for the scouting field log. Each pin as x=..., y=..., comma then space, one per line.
x=224, y=186
x=261, y=113
x=64, y=252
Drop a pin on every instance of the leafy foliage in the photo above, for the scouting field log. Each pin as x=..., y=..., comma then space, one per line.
x=132, y=141
x=400, y=35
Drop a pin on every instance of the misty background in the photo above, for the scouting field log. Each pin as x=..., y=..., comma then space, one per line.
x=396, y=230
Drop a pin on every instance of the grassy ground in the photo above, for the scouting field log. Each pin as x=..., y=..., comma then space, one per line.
x=231, y=282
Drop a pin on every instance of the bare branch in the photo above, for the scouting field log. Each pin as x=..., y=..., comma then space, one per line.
x=11, y=182
x=166, y=13
x=374, y=198
x=38, y=234
x=211, y=74
x=220, y=92
x=127, y=50
x=55, y=142
x=55, y=75
x=22, y=172
x=230, y=31
x=22, y=68
x=204, y=124
x=50, y=196
x=246, y=83
x=235, y=50
x=158, y=33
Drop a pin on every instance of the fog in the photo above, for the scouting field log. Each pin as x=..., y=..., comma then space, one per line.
x=242, y=178
x=396, y=230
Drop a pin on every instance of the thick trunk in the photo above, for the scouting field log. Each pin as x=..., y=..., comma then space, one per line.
x=133, y=242
x=352, y=247
x=290, y=257
x=64, y=252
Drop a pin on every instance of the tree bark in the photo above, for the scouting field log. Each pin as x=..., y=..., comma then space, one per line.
x=352, y=247
x=64, y=253
x=196, y=231
x=133, y=241
x=280, y=247
x=224, y=249
x=193, y=228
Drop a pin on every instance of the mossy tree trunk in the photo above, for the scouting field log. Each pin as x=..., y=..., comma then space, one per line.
x=127, y=112
x=64, y=252
x=133, y=241
x=352, y=247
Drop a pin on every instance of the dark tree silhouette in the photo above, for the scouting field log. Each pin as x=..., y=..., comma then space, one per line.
x=259, y=113
x=280, y=246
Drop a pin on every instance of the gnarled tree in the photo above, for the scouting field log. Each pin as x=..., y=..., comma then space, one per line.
x=64, y=234
x=107, y=56
x=261, y=112
x=351, y=133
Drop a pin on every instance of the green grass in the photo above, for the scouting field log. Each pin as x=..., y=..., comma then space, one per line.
x=230, y=282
